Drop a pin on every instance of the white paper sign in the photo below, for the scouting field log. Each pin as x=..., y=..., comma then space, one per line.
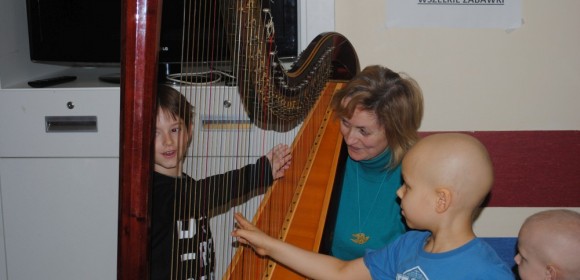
x=504, y=14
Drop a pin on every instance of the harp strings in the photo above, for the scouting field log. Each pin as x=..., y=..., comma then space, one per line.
x=197, y=79
x=220, y=141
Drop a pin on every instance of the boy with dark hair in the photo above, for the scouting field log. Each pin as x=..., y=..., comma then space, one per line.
x=181, y=240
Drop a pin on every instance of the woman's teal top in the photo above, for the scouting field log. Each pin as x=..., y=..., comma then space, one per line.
x=369, y=215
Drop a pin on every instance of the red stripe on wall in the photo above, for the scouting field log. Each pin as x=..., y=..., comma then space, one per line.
x=533, y=168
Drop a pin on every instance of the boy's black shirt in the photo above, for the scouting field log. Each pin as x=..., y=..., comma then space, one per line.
x=193, y=256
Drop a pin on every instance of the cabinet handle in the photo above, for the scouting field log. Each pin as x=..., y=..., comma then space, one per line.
x=71, y=123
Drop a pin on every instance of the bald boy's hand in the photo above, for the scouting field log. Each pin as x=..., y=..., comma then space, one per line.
x=246, y=233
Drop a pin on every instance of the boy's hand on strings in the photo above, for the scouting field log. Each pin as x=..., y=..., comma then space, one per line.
x=280, y=158
x=248, y=234
x=307, y=263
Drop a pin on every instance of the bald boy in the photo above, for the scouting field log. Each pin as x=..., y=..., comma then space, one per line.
x=549, y=246
x=446, y=177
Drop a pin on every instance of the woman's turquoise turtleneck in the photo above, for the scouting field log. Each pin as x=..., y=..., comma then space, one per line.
x=368, y=207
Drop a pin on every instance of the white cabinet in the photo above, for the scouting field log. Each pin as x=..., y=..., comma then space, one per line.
x=26, y=114
x=60, y=217
x=59, y=190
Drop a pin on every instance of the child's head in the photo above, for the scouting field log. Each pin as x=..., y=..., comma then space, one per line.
x=549, y=246
x=172, y=102
x=173, y=130
x=446, y=176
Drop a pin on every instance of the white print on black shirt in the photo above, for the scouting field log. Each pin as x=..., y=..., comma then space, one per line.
x=193, y=234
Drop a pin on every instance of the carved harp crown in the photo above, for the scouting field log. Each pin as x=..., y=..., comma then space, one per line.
x=273, y=97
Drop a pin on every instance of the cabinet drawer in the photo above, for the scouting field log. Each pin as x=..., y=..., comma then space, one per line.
x=59, y=123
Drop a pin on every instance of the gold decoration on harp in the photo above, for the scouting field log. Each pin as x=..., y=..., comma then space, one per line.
x=360, y=238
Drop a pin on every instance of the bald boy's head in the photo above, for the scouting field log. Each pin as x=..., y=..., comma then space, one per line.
x=549, y=242
x=455, y=161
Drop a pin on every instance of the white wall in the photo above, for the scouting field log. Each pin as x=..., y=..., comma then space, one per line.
x=481, y=79
x=314, y=17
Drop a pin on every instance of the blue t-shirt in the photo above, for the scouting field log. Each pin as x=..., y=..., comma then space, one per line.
x=368, y=205
x=405, y=259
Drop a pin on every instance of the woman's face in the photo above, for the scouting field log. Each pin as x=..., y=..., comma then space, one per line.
x=364, y=137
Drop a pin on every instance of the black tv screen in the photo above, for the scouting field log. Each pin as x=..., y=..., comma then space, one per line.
x=74, y=32
x=88, y=32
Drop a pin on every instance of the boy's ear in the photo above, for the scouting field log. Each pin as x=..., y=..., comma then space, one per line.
x=190, y=131
x=551, y=272
x=189, y=134
x=443, y=199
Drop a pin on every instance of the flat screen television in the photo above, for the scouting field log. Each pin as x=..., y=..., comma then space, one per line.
x=74, y=32
x=87, y=32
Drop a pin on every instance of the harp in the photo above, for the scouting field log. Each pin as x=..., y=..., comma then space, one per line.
x=274, y=98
